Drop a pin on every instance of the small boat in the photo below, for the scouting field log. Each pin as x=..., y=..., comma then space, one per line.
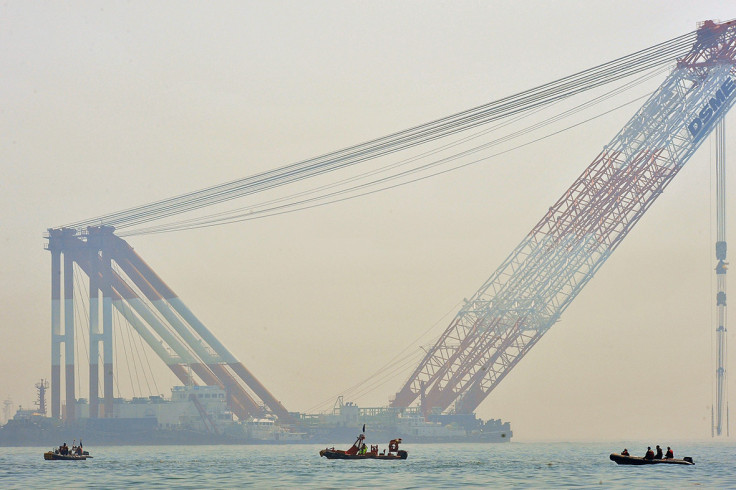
x=359, y=451
x=64, y=453
x=52, y=455
x=635, y=460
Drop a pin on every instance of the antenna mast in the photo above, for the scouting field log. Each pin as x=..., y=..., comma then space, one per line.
x=42, y=386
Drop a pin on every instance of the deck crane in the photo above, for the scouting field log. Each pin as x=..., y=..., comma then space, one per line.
x=531, y=289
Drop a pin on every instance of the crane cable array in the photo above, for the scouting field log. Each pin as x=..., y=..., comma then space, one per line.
x=319, y=197
x=514, y=105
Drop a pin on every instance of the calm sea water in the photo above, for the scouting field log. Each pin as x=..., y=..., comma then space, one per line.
x=527, y=465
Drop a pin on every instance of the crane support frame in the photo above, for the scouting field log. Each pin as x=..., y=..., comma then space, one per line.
x=162, y=320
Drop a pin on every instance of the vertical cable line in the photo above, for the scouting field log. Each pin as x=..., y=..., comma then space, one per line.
x=523, y=101
x=129, y=312
x=148, y=363
x=711, y=256
x=80, y=309
x=116, y=326
x=116, y=363
x=133, y=356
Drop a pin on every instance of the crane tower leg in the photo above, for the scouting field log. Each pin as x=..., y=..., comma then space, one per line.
x=94, y=335
x=69, y=336
x=55, y=330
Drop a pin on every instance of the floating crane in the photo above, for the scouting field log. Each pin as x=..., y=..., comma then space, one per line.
x=531, y=289
x=499, y=324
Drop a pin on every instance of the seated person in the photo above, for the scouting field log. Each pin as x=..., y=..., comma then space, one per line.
x=669, y=454
x=625, y=452
x=649, y=454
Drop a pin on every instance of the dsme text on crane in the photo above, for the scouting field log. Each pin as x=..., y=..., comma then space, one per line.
x=711, y=108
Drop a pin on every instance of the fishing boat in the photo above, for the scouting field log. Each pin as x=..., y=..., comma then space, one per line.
x=359, y=451
x=635, y=460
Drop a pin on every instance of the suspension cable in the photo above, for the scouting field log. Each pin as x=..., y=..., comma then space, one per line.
x=539, y=96
x=253, y=211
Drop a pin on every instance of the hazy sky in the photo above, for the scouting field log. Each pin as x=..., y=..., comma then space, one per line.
x=106, y=105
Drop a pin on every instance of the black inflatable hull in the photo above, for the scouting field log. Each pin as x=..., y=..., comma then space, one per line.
x=634, y=460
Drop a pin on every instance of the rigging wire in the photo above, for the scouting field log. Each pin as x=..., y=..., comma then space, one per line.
x=282, y=209
x=118, y=331
x=539, y=96
x=116, y=364
x=509, y=107
x=133, y=360
x=367, y=388
x=129, y=312
x=391, y=362
x=148, y=363
x=384, y=378
x=128, y=361
x=79, y=329
x=154, y=312
x=252, y=212
x=711, y=257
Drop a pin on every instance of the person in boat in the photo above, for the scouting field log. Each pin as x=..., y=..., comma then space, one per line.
x=649, y=454
x=64, y=449
x=393, y=445
x=659, y=453
x=363, y=449
x=625, y=452
x=669, y=454
x=79, y=451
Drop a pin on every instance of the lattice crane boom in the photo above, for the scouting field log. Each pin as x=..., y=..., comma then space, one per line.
x=500, y=323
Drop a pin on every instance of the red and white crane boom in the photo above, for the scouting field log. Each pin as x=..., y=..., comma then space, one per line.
x=527, y=294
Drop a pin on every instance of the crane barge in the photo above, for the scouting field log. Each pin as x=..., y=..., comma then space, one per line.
x=500, y=322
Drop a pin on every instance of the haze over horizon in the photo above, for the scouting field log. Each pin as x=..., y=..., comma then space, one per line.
x=108, y=106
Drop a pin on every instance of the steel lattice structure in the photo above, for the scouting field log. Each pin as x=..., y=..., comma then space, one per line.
x=531, y=289
x=156, y=313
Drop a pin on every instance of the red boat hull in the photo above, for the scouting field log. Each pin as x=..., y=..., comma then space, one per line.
x=338, y=454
